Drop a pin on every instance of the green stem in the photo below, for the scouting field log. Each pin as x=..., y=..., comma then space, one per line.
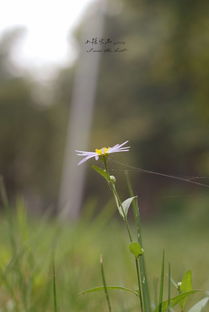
x=169, y=287
x=139, y=284
x=119, y=202
x=116, y=195
x=54, y=285
x=105, y=285
x=145, y=286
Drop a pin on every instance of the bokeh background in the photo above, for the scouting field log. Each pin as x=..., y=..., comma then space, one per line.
x=154, y=94
x=57, y=96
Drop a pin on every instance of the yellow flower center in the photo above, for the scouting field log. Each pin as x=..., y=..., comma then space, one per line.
x=103, y=151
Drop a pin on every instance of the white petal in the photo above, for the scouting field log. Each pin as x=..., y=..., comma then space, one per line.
x=119, y=151
x=118, y=147
x=115, y=146
x=112, y=149
x=85, y=159
x=123, y=148
x=81, y=151
x=85, y=153
x=123, y=143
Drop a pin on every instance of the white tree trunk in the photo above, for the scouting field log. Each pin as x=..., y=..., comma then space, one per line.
x=80, y=118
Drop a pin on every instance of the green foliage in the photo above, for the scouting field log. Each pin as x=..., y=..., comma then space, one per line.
x=125, y=205
x=31, y=280
x=99, y=288
x=185, y=285
x=54, y=286
x=160, y=309
x=174, y=301
x=136, y=249
x=105, y=285
x=102, y=172
x=169, y=288
x=145, y=291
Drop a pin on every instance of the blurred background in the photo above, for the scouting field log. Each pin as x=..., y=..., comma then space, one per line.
x=83, y=75
x=57, y=95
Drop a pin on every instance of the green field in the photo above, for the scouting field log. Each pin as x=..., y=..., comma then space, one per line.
x=44, y=259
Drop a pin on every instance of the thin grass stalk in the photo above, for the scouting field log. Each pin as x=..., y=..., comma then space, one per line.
x=54, y=286
x=169, y=287
x=155, y=288
x=140, y=285
x=162, y=282
x=139, y=277
x=105, y=285
x=137, y=218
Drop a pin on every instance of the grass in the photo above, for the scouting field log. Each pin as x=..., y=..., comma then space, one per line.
x=45, y=264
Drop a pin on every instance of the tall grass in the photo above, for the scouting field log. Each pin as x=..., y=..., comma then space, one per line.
x=45, y=265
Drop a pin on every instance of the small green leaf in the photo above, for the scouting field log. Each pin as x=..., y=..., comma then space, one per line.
x=200, y=305
x=136, y=249
x=125, y=206
x=175, y=300
x=102, y=172
x=185, y=285
x=99, y=288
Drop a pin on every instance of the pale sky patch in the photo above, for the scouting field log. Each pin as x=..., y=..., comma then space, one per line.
x=49, y=24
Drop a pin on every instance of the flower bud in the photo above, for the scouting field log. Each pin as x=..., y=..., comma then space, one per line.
x=179, y=286
x=112, y=179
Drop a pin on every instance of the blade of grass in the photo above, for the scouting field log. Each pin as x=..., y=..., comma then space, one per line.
x=169, y=287
x=162, y=282
x=140, y=285
x=99, y=288
x=155, y=287
x=175, y=300
x=105, y=285
x=54, y=286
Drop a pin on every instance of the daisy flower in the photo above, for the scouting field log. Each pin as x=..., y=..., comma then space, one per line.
x=104, y=151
